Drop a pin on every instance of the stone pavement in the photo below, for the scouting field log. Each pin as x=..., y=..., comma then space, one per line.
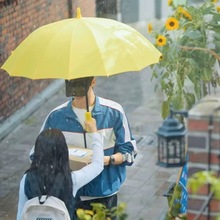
x=146, y=182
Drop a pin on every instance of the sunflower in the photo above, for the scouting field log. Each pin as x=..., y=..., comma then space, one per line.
x=150, y=28
x=170, y=2
x=214, y=1
x=161, y=40
x=218, y=8
x=185, y=13
x=172, y=24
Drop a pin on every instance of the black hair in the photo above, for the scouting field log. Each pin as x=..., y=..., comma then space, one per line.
x=78, y=87
x=50, y=173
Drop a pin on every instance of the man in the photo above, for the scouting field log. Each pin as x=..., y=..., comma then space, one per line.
x=119, y=145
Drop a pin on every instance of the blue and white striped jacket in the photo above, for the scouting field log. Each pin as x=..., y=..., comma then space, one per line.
x=112, y=122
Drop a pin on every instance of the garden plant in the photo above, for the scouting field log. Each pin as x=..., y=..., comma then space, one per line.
x=190, y=43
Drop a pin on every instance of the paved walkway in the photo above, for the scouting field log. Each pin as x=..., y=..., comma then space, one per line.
x=146, y=182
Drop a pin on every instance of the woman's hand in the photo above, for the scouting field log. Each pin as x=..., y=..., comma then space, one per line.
x=90, y=125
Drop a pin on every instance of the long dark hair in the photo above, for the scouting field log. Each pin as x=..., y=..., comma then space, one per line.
x=50, y=172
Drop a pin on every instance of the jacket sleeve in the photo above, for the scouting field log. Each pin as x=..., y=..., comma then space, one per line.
x=125, y=143
x=22, y=198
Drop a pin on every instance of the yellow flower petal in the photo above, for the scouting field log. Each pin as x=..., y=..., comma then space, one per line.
x=150, y=28
x=161, y=40
x=170, y=2
x=172, y=24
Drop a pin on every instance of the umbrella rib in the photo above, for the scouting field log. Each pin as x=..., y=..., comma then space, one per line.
x=100, y=55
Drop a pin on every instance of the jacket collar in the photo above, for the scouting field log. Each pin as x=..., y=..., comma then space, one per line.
x=97, y=107
x=71, y=114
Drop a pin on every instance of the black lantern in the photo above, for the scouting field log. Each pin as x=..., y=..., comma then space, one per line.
x=171, y=142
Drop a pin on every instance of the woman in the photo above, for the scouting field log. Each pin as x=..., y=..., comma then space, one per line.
x=50, y=172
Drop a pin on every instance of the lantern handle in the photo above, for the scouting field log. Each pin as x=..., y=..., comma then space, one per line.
x=171, y=111
x=184, y=113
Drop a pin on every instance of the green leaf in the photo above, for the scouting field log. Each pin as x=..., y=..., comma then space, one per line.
x=178, y=100
x=206, y=74
x=193, y=185
x=215, y=188
x=165, y=109
x=190, y=100
x=217, y=35
x=195, y=35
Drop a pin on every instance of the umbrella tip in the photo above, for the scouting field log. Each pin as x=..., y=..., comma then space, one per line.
x=78, y=13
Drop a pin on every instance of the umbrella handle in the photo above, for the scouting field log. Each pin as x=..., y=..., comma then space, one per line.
x=88, y=116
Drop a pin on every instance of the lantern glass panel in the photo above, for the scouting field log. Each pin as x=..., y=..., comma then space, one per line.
x=171, y=151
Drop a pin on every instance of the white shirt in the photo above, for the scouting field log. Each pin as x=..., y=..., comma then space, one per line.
x=81, y=114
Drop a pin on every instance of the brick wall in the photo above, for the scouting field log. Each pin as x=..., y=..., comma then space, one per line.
x=17, y=21
x=88, y=7
x=203, y=149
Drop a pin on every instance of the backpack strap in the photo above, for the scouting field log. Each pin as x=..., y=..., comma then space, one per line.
x=42, y=199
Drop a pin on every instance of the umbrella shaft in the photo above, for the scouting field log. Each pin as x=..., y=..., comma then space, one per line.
x=84, y=136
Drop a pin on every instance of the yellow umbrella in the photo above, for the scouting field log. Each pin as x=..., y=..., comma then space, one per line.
x=81, y=47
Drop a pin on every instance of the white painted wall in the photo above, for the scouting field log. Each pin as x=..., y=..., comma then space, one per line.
x=147, y=9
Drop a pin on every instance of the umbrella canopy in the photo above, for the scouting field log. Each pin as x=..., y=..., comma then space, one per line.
x=81, y=47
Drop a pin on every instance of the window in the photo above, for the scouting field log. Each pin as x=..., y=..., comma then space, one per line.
x=106, y=8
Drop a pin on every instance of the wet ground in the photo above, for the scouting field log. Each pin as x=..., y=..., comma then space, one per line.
x=146, y=181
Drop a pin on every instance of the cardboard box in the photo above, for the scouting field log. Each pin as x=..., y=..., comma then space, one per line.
x=79, y=157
